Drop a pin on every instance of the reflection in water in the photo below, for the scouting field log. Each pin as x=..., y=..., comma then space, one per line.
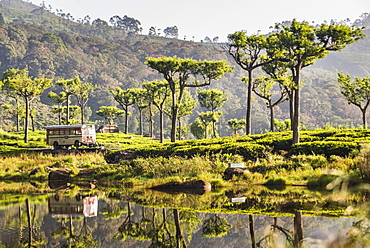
x=222, y=219
x=60, y=206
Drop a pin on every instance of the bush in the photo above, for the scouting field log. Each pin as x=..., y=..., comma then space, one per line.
x=327, y=148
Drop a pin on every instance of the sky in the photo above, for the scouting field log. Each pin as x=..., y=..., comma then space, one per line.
x=196, y=19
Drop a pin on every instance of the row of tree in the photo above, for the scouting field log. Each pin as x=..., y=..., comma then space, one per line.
x=18, y=84
x=282, y=55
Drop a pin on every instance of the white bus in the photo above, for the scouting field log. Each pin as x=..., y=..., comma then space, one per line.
x=71, y=135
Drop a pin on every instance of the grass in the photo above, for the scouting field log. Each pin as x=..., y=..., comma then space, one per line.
x=170, y=160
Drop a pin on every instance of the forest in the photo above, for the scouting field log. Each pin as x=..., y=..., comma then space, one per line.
x=111, y=58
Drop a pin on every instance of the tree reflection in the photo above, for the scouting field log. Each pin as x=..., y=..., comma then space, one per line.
x=359, y=234
x=35, y=236
x=129, y=228
x=215, y=227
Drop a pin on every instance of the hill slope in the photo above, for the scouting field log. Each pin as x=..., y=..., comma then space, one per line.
x=61, y=48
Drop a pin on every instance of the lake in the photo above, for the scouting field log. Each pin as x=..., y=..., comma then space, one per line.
x=118, y=216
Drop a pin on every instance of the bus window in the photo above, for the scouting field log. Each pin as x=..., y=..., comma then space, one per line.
x=78, y=131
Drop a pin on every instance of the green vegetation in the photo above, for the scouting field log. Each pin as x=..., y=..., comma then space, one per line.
x=113, y=54
x=270, y=159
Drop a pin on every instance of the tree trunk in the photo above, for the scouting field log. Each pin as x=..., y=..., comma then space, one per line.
x=272, y=126
x=180, y=129
x=291, y=112
x=298, y=229
x=251, y=230
x=296, y=117
x=214, y=129
x=26, y=119
x=364, y=124
x=29, y=223
x=248, y=119
x=150, y=121
x=82, y=114
x=141, y=122
x=161, y=126
x=297, y=106
x=179, y=238
x=67, y=118
x=59, y=114
x=175, y=111
x=17, y=115
x=126, y=120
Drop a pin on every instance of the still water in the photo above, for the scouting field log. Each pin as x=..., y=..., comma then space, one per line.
x=133, y=217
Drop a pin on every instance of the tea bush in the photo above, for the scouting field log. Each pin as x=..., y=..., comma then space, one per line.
x=327, y=148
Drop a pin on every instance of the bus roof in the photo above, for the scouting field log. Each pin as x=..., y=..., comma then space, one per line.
x=68, y=126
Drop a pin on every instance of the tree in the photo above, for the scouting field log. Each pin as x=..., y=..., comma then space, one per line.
x=197, y=129
x=158, y=92
x=26, y=87
x=215, y=227
x=125, y=99
x=171, y=32
x=356, y=92
x=208, y=118
x=59, y=99
x=186, y=108
x=15, y=110
x=212, y=100
x=182, y=73
x=130, y=24
x=247, y=53
x=236, y=124
x=69, y=88
x=81, y=92
x=99, y=23
x=110, y=113
x=152, y=31
x=302, y=44
x=142, y=103
x=263, y=87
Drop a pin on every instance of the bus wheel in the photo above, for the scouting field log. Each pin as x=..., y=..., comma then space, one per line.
x=77, y=144
x=56, y=145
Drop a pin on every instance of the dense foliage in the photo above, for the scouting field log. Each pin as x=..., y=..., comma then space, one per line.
x=113, y=54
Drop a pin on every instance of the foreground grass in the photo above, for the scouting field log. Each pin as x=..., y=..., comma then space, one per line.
x=270, y=159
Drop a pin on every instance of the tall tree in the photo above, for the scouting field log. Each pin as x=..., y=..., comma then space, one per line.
x=212, y=100
x=26, y=87
x=81, y=92
x=125, y=98
x=209, y=118
x=171, y=32
x=186, y=108
x=69, y=88
x=59, y=99
x=263, y=87
x=142, y=103
x=247, y=51
x=110, y=113
x=302, y=44
x=158, y=92
x=356, y=92
x=182, y=73
x=236, y=125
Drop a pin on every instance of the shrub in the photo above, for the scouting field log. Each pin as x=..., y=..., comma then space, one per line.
x=327, y=148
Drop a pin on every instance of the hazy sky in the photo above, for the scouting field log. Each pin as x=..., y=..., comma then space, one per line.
x=201, y=18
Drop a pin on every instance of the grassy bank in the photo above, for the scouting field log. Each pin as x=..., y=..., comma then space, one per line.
x=320, y=158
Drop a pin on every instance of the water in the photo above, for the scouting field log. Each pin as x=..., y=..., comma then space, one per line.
x=132, y=217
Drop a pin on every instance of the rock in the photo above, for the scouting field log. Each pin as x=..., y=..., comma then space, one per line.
x=230, y=172
x=198, y=187
x=123, y=155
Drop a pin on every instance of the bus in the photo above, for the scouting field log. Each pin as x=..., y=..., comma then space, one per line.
x=71, y=135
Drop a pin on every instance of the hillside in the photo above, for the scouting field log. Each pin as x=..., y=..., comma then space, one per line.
x=108, y=57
